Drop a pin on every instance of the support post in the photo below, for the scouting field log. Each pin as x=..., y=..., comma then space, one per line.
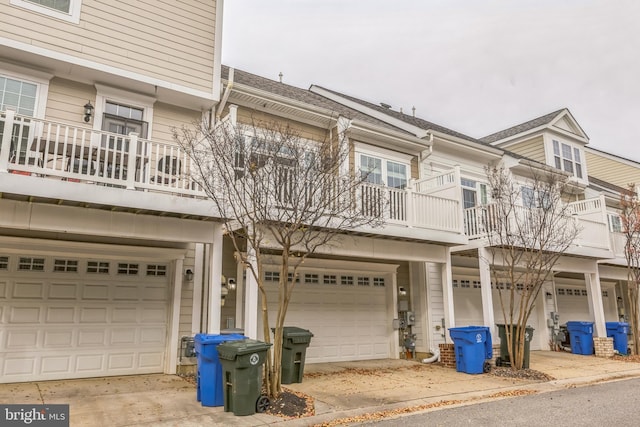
x=5, y=144
x=594, y=294
x=215, y=281
x=485, y=290
x=447, y=293
x=251, y=307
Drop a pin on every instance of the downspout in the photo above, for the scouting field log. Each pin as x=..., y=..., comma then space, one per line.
x=434, y=358
x=225, y=95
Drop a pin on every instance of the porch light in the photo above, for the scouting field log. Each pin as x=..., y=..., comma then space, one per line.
x=231, y=284
x=88, y=111
x=188, y=273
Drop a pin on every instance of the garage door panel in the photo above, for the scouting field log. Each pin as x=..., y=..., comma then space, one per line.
x=63, y=291
x=76, y=324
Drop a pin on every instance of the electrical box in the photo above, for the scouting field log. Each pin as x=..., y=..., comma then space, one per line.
x=398, y=324
x=403, y=305
x=411, y=318
x=187, y=347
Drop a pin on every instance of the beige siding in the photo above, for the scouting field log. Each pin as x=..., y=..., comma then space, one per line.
x=532, y=149
x=166, y=117
x=167, y=40
x=610, y=170
x=66, y=100
x=259, y=119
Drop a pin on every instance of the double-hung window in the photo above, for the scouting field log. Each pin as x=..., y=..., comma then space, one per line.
x=567, y=158
x=473, y=192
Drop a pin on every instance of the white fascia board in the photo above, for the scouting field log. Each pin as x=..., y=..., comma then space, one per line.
x=363, y=129
x=417, y=131
x=217, y=52
x=283, y=100
x=63, y=57
x=486, y=149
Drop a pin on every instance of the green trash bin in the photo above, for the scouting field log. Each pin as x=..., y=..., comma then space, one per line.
x=294, y=350
x=503, y=360
x=242, y=376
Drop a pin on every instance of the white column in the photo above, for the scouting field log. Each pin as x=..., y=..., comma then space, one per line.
x=251, y=307
x=215, y=281
x=5, y=143
x=198, y=276
x=392, y=313
x=594, y=292
x=240, y=284
x=447, y=293
x=131, y=161
x=485, y=290
x=172, y=360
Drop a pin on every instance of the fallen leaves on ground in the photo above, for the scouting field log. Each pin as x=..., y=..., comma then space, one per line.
x=511, y=393
x=635, y=358
x=385, y=414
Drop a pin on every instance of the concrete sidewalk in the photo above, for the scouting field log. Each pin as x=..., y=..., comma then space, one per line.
x=340, y=390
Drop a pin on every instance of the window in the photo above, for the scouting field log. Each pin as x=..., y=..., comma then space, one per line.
x=67, y=10
x=65, y=265
x=567, y=158
x=363, y=281
x=32, y=264
x=377, y=170
x=378, y=281
x=271, y=276
x=470, y=192
x=4, y=262
x=528, y=197
x=99, y=267
x=346, y=280
x=615, y=223
x=311, y=278
x=124, y=119
x=156, y=270
x=128, y=269
x=290, y=277
x=330, y=279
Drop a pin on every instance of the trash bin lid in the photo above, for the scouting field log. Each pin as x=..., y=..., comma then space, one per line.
x=231, y=349
x=216, y=339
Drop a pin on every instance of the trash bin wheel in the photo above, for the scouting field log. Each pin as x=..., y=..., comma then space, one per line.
x=498, y=361
x=262, y=404
x=486, y=367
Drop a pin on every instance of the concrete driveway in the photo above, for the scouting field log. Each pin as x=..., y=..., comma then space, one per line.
x=339, y=389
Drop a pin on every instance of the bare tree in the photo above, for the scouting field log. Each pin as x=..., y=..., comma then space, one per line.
x=630, y=218
x=529, y=227
x=279, y=195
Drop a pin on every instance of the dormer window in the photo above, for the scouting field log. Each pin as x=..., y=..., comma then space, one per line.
x=567, y=158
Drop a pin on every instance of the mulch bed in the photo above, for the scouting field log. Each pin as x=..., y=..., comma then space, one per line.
x=292, y=404
x=522, y=374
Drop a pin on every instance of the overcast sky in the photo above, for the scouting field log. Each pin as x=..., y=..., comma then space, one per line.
x=475, y=66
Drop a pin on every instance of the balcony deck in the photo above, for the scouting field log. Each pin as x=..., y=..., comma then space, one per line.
x=61, y=163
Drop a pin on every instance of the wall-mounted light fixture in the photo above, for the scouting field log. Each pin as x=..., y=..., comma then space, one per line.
x=188, y=275
x=88, y=111
x=231, y=284
x=402, y=291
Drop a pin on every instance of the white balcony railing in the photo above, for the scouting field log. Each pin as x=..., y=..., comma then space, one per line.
x=54, y=150
x=479, y=221
x=51, y=150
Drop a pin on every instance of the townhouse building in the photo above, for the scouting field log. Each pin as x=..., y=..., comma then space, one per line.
x=112, y=257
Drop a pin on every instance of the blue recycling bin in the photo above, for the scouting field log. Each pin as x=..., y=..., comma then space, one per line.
x=618, y=331
x=581, y=337
x=209, y=376
x=472, y=345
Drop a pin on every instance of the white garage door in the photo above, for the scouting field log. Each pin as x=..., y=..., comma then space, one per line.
x=347, y=314
x=71, y=318
x=467, y=299
x=573, y=304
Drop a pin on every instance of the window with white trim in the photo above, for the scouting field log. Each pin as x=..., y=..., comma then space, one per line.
x=379, y=170
x=32, y=264
x=567, y=158
x=98, y=267
x=66, y=10
x=65, y=265
x=156, y=270
x=473, y=192
x=4, y=262
x=128, y=269
x=615, y=223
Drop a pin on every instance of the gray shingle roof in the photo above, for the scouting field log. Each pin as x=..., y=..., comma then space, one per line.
x=303, y=95
x=410, y=119
x=523, y=127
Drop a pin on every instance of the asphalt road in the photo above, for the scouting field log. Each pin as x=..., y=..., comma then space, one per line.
x=610, y=404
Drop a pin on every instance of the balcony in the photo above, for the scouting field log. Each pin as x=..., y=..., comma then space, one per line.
x=593, y=239
x=135, y=167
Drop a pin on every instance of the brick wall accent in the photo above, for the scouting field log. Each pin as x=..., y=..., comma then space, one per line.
x=448, y=355
x=603, y=346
